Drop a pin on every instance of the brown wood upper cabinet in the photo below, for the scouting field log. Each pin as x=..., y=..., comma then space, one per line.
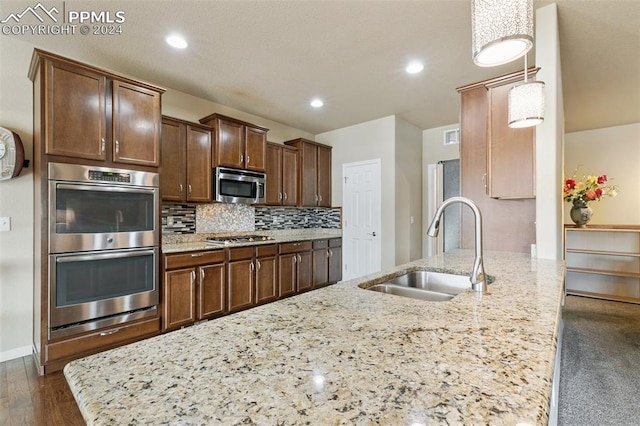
x=511, y=155
x=186, y=161
x=282, y=175
x=92, y=114
x=314, y=173
x=237, y=144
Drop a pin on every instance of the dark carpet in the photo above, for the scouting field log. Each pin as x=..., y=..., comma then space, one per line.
x=600, y=364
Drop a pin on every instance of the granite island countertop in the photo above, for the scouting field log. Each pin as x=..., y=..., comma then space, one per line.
x=345, y=355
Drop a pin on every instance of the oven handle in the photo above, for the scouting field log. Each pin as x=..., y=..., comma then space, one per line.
x=89, y=257
x=105, y=188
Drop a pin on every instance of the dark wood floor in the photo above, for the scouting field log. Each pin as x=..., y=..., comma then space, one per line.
x=29, y=399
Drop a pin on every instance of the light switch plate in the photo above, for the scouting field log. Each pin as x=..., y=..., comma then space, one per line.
x=5, y=223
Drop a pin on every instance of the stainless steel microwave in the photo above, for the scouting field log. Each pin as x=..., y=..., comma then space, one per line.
x=238, y=186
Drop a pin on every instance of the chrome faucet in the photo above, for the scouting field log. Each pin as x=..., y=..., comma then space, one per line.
x=478, y=282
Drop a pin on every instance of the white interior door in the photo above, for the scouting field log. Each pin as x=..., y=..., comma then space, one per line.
x=361, y=229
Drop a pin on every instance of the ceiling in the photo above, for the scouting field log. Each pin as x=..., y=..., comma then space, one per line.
x=270, y=58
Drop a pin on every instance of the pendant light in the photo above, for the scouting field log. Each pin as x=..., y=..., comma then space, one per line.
x=501, y=30
x=526, y=102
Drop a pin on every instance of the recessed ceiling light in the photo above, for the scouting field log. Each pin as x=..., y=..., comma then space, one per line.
x=414, y=67
x=176, y=41
x=316, y=103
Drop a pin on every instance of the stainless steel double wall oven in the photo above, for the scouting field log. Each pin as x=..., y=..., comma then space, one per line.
x=104, y=237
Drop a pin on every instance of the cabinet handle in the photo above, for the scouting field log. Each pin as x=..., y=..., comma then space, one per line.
x=299, y=258
x=181, y=188
x=330, y=253
x=248, y=159
x=110, y=332
x=104, y=145
x=117, y=147
x=285, y=196
x=241, y=158
x=316, y=198
x=252, y=266
x=189, y=187
x=259, y=265
x=295, y=259
x=279, y=196
x=320, y=198
x=201, y=275
x=193, y=277
x=484, y=180
x=197, y=254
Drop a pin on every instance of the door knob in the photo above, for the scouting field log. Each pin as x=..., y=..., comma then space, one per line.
x=373, y=234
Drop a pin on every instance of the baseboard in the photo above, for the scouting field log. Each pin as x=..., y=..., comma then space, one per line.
x=15, y=353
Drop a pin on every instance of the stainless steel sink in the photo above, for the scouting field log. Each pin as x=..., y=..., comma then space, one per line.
x=425, y=285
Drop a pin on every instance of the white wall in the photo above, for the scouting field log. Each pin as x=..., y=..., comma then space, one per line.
x=367, y=141
x=16, y=201
x=614, y=151
x=408, y=192
x=16, y=195
x=549, y=138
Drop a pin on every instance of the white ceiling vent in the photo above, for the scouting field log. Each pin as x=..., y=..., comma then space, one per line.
x=451, y=136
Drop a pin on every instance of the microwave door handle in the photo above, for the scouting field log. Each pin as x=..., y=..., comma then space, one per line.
x=257, y=197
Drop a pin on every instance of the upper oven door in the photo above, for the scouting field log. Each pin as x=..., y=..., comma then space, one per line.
x=85, y=216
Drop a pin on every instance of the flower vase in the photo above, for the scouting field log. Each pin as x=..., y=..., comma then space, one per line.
x=581, y=213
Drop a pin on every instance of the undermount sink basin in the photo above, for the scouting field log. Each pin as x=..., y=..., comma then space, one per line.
x=425, y=285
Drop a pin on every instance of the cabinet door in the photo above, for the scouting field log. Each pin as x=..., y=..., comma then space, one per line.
x=266, y=279
x=136, y=125
x=179, y=306
x=229, y=144
x=274, y=175
x=172, y=185
x=320, y=267
x=511, y=152
x=198, y=168
x=309, y=175
x=287, y=274
x=304, y=275
x=324, y=177
x=335, y=264
x=211, y=291
x=75, y=110
x=240, y=285
x=289, y=176
x=255, y=149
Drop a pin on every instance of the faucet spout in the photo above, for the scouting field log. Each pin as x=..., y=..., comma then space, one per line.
x=477, y=278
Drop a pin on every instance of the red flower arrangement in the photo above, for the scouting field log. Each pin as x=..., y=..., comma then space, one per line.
x=591, y=188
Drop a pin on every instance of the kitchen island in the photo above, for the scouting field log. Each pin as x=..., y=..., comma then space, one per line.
x=346, y=355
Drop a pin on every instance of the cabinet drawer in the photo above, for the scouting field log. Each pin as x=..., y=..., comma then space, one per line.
x=335, y=242
x=320, y=244
x=175, y=261
x=267, y=250
x=103, y=339
x=295, y=247
x=240, y=253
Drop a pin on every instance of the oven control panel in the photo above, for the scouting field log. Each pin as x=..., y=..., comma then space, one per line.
x=103, y=176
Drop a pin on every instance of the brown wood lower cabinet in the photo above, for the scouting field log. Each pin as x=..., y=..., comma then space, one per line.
x=295, y=268
x=207, y=284
x=194, y=288
x=327, y=262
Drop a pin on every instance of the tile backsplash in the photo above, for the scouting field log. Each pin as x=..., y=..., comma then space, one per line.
x=223, y=217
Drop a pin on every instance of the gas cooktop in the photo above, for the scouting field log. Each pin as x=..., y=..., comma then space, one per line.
x=237, y=239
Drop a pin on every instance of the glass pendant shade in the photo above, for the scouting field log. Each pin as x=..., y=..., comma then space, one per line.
x=501, y=30
x=526, y=104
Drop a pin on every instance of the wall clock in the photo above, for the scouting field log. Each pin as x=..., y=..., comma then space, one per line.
x=11, y=154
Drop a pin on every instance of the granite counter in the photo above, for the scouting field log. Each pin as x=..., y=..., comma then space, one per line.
x=345, y=355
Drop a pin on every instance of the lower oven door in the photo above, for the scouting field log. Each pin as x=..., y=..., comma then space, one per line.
x=89, y=290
